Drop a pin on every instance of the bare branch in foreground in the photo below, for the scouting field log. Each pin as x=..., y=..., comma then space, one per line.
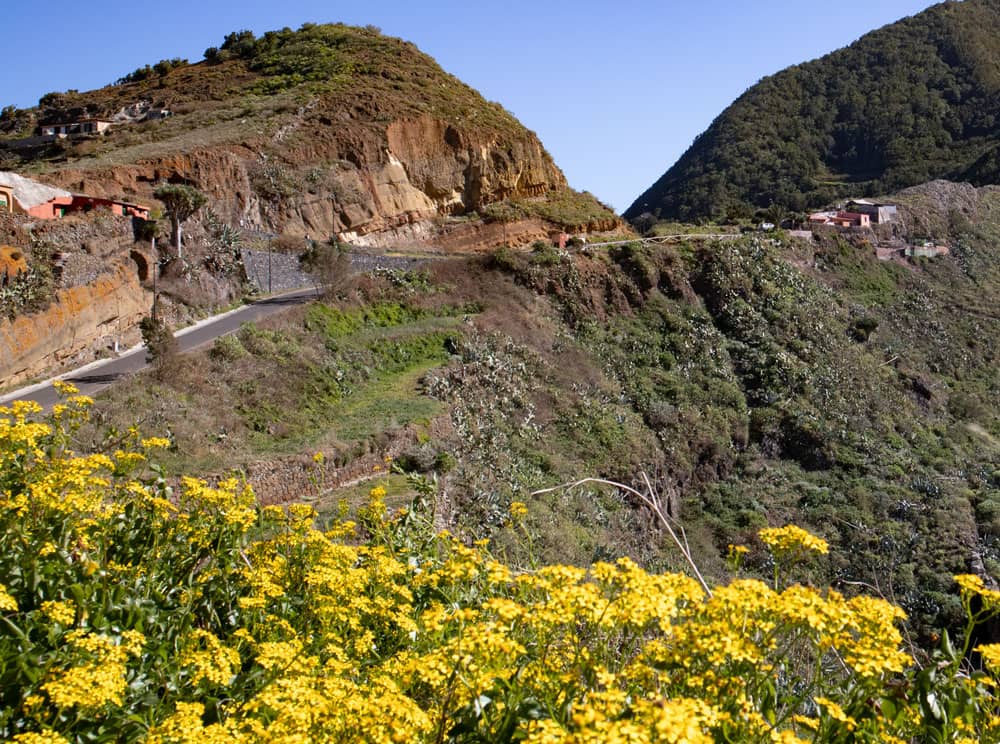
x=651, y=500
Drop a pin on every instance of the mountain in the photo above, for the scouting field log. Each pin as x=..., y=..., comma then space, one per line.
x=327, y=130
x=908, y=103
x=756, y=381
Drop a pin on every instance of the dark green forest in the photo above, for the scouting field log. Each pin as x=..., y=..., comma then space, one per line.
x=908, y=103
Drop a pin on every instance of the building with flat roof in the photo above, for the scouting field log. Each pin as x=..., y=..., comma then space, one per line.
x=78, y=127
x=880, y=213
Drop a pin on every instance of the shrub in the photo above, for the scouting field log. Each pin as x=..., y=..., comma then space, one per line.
x=863, y=328
x=135, y=612
x=162, y=349
x=227, y=349
x=545, y=254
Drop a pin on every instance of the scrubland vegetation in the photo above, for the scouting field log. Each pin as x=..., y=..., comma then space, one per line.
x=756, y=382
x=135, y=610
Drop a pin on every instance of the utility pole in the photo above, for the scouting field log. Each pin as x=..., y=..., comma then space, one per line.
x=270, y=236
x=156, y=266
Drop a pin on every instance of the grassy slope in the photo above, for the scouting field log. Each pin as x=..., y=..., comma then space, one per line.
x=755, y=382
x=341, y=66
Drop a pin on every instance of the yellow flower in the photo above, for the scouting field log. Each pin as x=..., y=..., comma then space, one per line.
x=7, y=602
x=44, y=737
x=991, y=655
x=782, y=540
x=132, y=641
x=65, y=388
x=834, y=711
x=786, y=737
x=155, y=442
x=810, y=723
x=517, y=510
x=97, y=680
x=185, y=725
x=208, y=660
x=63, y=613
x=971, y=585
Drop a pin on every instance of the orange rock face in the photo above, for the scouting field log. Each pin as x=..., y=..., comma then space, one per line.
x=13, y=262
x=103, y=310
x=351, y=180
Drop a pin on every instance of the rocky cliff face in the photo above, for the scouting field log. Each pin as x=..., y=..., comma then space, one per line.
x=98, y=292
x=349, y=181
x=80, y=322
x=381, y=141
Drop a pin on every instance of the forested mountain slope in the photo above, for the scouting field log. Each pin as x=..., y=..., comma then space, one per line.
x=913, y=101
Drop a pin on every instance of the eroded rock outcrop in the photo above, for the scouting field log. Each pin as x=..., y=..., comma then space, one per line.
x=80, y=319
x=346, y=181
x=12, y=264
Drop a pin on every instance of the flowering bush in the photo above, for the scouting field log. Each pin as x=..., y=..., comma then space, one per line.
x=131, y=611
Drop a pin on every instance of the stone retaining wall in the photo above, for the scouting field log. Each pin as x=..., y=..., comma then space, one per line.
x=298, y=479
x=274, y=272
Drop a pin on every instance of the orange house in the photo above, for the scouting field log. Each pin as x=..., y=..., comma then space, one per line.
x=84, y=203
x=853, y=219
x=21, y=195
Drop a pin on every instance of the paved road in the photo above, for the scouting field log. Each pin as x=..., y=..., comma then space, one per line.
x=94, y=377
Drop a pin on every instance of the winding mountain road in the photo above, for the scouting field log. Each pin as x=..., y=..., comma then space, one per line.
x=98, y=375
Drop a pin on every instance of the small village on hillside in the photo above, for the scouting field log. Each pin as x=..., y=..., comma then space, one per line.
x=84, y=127
x=876, y=221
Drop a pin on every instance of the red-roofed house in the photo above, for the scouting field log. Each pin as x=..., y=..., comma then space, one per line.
x=84, y=203
x=21, y=195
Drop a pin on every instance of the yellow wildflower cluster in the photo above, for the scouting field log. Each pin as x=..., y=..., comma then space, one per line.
x=232, y=500
x=973, y=587
x=96, y=680
x=206, y=659
x=789, y=539
x=44, y=737
x=518, y=510
x=59, y=612
x=7, y=602
x=141, y=614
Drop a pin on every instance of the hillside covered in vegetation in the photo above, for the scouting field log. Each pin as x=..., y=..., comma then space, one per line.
x=754, y=381
x=325, y=130
x=134, y=611
x=908, y=103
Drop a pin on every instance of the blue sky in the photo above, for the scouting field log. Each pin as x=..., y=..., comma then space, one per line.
x=617, y=91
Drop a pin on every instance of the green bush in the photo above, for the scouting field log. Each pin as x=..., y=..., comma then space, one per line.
x=135, y=611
